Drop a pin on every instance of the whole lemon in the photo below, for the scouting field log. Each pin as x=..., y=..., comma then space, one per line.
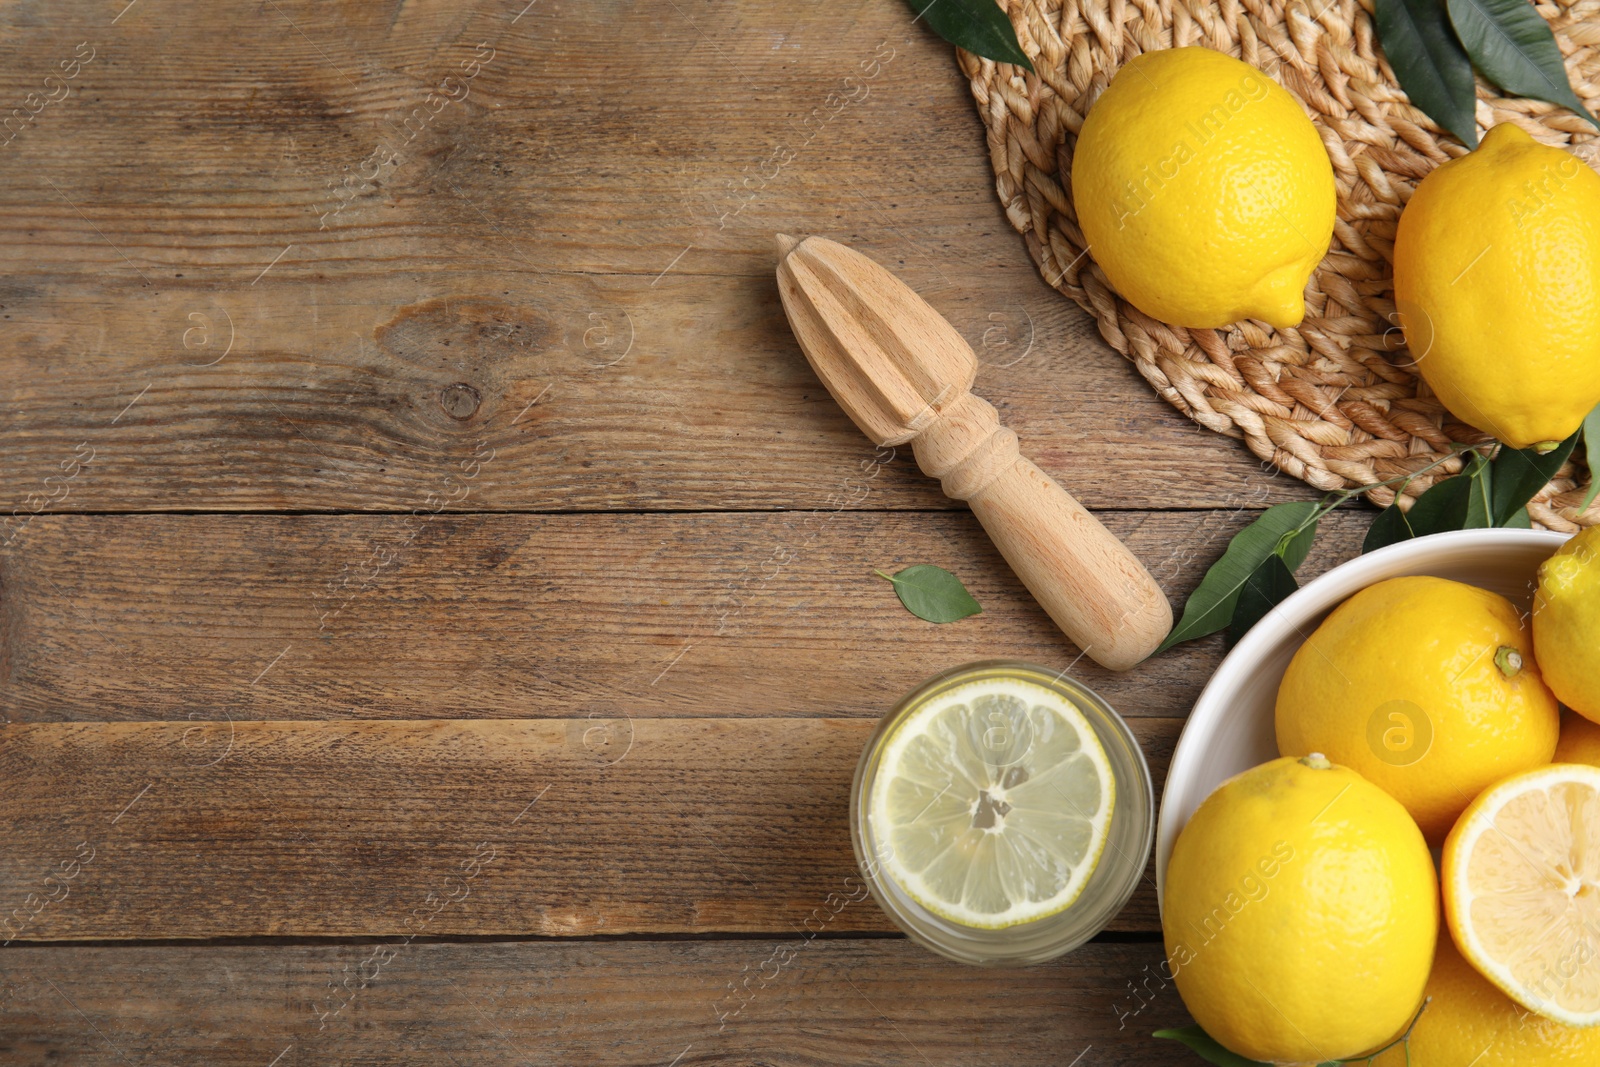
x=1425, y=686
x=1299, y=913
x=1203, y=190
x=1470, y=1022
x=1580, y=740
x=1497, y=286
x=1566, y=623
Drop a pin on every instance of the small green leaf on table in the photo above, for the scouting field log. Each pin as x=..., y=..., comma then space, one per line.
x=932, y=593
x=1430, y=63
x=1512, y=44
x=1518, y=475
x=1591, y=451
x=1284, y=530
x=979, y=26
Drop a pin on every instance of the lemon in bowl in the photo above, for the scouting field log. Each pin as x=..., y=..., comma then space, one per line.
x=1470, y=1023
x=1300, y=912
x=1566, y=623
x=1428, y=687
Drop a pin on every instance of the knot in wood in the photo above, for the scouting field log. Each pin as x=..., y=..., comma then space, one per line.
x=460, y=401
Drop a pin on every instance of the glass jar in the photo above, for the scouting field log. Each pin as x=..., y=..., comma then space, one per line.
x=1116, y=873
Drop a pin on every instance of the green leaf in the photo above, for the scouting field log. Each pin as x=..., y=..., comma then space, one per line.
x=1389, y=528
x=1462, y=502
x=1519, y=520
x=979, y=26
x=1480, y=494
x=1513, y=46
x=1443, y=507
x=1432, y=66
x=1266, y=587
x=1591, y=451
x=1206, y=1047
x=1518, y=475
x=1294, y=546
x=1284, y=530
x=932, y=593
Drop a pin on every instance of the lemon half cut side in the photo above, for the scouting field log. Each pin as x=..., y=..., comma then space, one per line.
x=1522, y=890
x=994, y=801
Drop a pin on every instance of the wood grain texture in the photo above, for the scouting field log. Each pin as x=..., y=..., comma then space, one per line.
x=190, y=292
x=819, y=1002
x=426, y=257
x=106, y=618
x=549, y=827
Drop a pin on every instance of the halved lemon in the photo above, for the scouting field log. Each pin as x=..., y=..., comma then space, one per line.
x=1522, y=889
x=994, y=799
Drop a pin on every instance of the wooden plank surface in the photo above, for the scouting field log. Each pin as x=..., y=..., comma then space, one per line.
x=572, y=393
x=181, y=308
x=793, y=1002
x=427, y=257
x=108, y=618
x=548, y=827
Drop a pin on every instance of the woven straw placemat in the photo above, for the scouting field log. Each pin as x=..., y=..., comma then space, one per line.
x=1334, y=402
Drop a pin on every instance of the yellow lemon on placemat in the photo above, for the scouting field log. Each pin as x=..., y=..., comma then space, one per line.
x=1299, y=912
x=1566, y=623
x=1522, y=890
x=1425, y=686
x=995, y=798
x=1203, y=190
x=1470, y=1023
x=1497, y=286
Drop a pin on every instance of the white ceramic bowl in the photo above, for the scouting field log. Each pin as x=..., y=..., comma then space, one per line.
x=1231, y=727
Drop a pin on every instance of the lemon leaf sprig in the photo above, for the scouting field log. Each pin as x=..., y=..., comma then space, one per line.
x=1430, y=63
x=1283, y=533
x=979, y=26
x=1434, y=44
x=1256, y=572
x=1488, y=493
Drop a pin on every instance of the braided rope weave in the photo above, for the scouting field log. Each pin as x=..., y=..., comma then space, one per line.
x=1335, y=401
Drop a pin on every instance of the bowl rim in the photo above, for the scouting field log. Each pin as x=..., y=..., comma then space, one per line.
x=1318, y=595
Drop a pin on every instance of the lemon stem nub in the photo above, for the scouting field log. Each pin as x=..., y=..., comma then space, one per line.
x=1509, y=660
x=1316, y=761
x=1544, y=447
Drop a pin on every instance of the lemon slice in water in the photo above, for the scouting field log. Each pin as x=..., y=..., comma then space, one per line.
x=992, y=803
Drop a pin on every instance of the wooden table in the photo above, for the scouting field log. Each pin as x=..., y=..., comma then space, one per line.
x=436, y=612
